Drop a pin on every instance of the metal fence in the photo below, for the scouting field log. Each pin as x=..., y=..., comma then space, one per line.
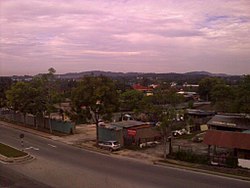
x=37, y=122
x=192, y=154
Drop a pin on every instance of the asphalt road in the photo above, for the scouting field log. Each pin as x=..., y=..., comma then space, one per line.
x=13, y=179
x=61, y=165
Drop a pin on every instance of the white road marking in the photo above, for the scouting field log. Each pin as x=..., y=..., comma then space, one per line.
x=32, y=148
x=35, y=149
x=52, y=145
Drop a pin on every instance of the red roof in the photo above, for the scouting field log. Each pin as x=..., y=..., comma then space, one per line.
x=140, y=87
x=227, y=139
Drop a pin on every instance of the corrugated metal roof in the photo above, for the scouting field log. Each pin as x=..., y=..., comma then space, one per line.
x=128, y=124
x=247, y=131
x=199, y=112
x=227, y=139
x=233, y=121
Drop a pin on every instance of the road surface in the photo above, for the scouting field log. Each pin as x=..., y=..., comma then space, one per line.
x=61, y=165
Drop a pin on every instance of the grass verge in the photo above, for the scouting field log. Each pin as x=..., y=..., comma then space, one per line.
x=8, y=151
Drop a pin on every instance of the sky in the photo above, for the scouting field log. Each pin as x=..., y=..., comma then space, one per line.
x=124, y=36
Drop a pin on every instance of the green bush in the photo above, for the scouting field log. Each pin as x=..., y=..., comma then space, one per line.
x=191, y=157
x=232, y=162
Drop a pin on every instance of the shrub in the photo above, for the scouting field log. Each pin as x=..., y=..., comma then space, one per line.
x=191, y=157
x=231, y=162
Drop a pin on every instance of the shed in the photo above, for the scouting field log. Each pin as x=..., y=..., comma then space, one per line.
x=239, y=142
x=230, y=122
x=129, y=132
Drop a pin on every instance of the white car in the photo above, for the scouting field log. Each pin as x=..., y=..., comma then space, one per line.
x=179, y=132
x=109, y=145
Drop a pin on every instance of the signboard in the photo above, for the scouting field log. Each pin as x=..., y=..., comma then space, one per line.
x=131, y=132
x=224, y=123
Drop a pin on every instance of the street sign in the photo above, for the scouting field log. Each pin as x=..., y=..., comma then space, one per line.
x=21, y=135
x=21, y=138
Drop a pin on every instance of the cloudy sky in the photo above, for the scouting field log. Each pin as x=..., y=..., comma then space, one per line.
x=124, y=35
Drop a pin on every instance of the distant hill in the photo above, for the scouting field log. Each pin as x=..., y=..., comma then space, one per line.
x=96, y=73
x=191, y=77
x=136, y=74
x=207, y=74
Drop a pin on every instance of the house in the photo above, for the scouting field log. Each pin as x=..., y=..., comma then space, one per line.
x=230, y=122
x=188, y=95
x=129, y=132
x=231, y=132
x=147, y=90
x=237, y=142
x=199, y=118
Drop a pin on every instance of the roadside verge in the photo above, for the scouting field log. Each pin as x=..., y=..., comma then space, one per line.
x=199, y=168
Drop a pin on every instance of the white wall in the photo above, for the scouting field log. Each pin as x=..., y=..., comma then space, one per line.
x=245, y=163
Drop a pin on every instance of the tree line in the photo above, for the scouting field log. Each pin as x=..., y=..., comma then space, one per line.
x=224, y=97
x=102, y=94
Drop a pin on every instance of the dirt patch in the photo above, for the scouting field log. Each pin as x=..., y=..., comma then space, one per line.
x=84, y=133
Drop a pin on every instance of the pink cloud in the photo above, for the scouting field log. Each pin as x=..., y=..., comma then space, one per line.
x=151, y=35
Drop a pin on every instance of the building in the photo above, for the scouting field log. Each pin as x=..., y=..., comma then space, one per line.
x=199, y=118
x=236, y=142
x=129, y=132
x=230, y=132
x=139, y=87
x=230, y=122
x=188, y=95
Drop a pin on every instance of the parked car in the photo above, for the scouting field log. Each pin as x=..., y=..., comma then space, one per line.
x=198, y=138
x=179, y=132
x=110, y=145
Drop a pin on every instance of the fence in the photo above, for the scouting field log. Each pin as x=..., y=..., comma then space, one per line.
x=181, y=148
x=198, y=155
x=37, y=122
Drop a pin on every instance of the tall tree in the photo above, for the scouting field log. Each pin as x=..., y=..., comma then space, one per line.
x=94, y=97
x=5, y=84
x=17, y=96
x=25, y=98
x=243, y=96
x=222, y=96
x=165, y=126
x=36, y=97
x=131, y=99
x=206, y=86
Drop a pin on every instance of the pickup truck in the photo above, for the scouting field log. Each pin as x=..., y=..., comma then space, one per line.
x=109, y=145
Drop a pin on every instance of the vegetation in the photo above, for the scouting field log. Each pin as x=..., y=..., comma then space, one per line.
x=206, y=86
x=94, y=98
x=97, y=97
x=191, y=157
x=231, y=162
x=131, y=99
x=5, y=83
x=165, y=127
x=10, y=152
x=227, y=98
x=36, y=97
